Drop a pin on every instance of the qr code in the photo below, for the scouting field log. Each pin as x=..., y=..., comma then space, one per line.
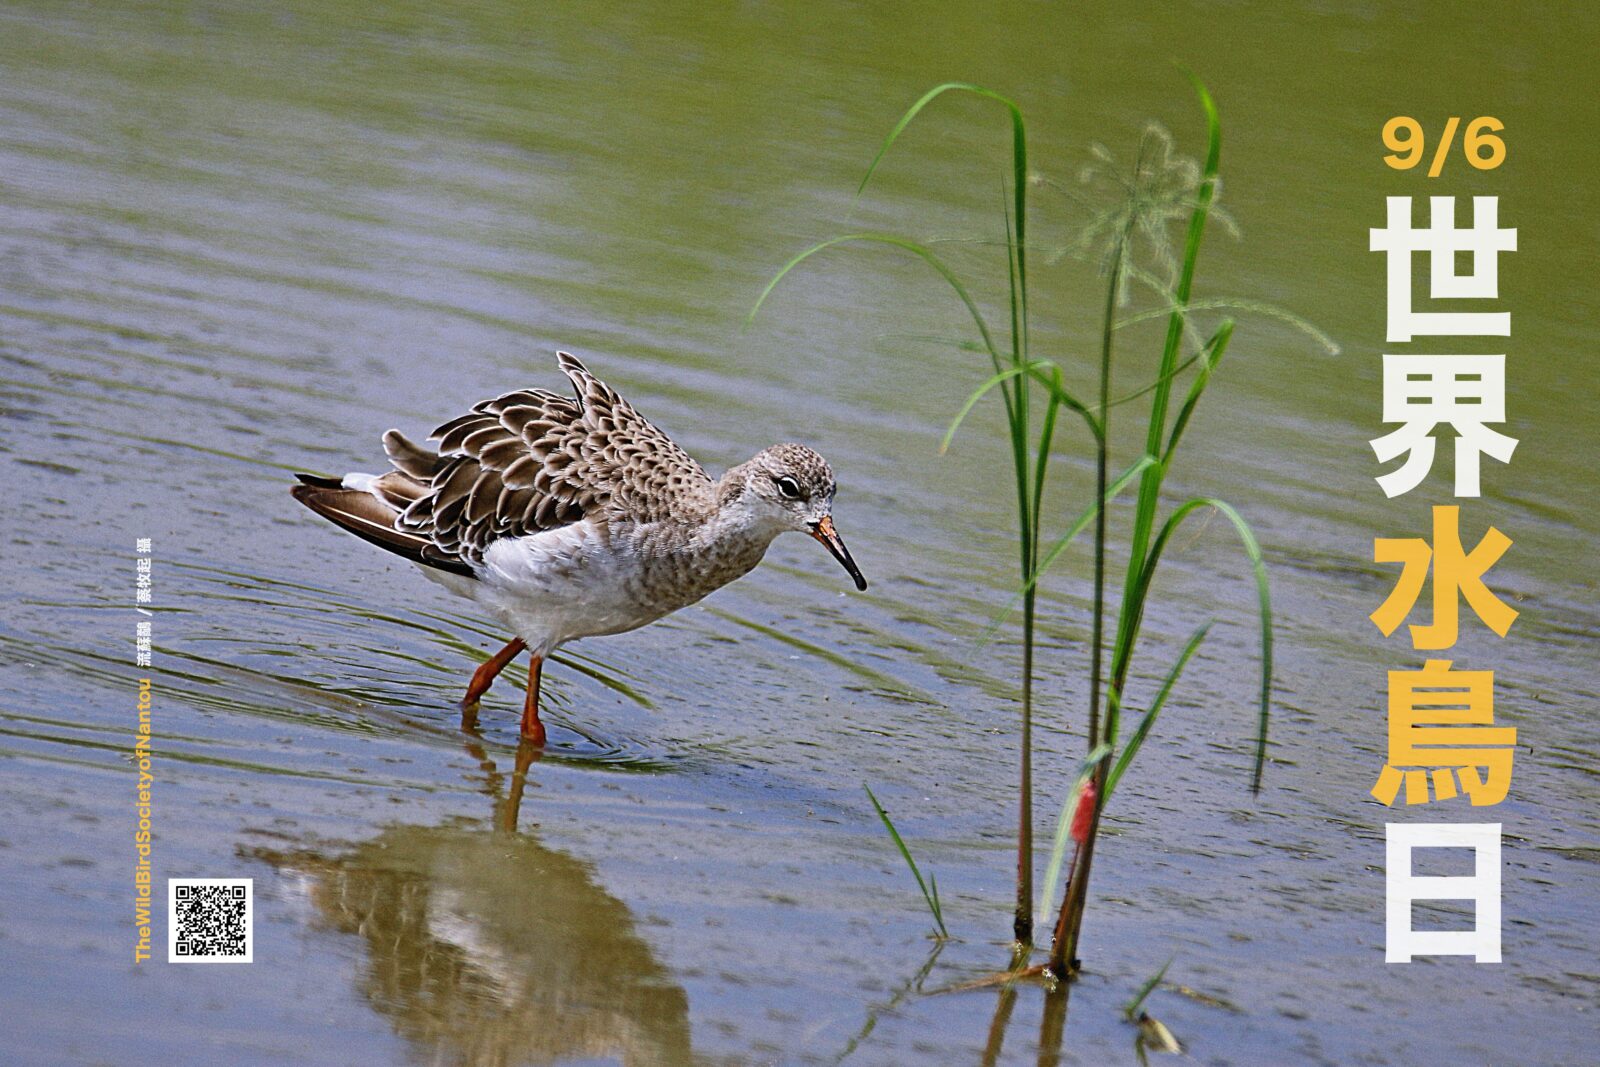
x=209, y=920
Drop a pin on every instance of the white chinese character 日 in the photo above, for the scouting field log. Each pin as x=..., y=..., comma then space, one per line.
x=1482, y=887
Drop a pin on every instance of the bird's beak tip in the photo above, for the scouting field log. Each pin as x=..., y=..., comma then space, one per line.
x=824, y=532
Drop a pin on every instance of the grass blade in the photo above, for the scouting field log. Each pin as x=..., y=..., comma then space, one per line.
x=1212, y=353
x=932, y=897
x=1059, y=393
x=1156, y=431
x=1131, y=749
x=972, y=401
x=1130, y=1010
x=1258, y=307
x=914, y=248
x=928, y=98
x=1146, y=390
x=1252, y=549
x=1041, y=463
x=1079, y=524
x=1019, y=190
x=1087, y=515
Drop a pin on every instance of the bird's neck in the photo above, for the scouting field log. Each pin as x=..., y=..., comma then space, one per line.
x=734, y=525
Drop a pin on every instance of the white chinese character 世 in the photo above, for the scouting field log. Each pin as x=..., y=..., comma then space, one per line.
x=1482, y=887
x=1423, y=392
x=1442, y=240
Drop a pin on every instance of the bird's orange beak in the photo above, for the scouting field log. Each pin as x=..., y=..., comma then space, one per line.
x=823, y=531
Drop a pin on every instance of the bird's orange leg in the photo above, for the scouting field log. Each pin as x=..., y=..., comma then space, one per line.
x=532, y=728
x=485, y=675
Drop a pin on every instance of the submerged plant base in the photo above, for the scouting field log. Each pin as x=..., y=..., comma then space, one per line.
x=1038, y=972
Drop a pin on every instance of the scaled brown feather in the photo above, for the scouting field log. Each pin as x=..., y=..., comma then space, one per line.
x=521, y=463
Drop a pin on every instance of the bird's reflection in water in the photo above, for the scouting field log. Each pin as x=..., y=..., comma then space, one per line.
x=486, y=947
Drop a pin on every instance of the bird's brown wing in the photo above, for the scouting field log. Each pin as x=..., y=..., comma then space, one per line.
x=533, y=460
x=644, y=471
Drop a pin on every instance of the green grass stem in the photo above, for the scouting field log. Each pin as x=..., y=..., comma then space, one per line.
x=1130, y=1010
x=930, y=888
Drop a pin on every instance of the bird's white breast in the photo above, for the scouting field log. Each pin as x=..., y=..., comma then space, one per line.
x=559, y=585
x=589, y=579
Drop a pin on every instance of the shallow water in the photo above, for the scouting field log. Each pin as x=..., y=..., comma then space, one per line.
x=237, y=243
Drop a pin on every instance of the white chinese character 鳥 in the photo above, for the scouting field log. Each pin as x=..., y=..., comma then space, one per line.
x=1442, y=240
x=1482, y=887
x=1423, y=392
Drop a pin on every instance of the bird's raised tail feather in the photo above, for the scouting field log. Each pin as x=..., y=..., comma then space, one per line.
x=363, y=514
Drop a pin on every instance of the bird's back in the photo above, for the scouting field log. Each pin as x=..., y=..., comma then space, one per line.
x=525, y=463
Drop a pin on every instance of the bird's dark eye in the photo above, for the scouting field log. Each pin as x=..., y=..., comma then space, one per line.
x=788, y=488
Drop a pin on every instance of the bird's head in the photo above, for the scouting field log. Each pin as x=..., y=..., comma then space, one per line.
x=790, y=487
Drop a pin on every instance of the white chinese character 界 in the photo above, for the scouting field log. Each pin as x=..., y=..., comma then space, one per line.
x=1422, y=393
x=1442, y=240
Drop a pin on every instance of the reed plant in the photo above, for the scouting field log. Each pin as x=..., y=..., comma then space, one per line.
x=1160, y=189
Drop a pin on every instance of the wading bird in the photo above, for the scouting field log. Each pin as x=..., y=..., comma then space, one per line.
x=571, y=517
